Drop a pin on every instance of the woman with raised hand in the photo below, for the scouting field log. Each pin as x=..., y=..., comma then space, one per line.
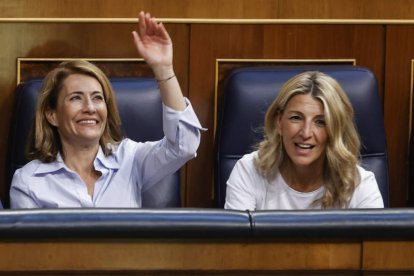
x=79, y=157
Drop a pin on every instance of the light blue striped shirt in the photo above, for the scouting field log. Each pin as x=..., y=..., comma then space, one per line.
x=130, y=168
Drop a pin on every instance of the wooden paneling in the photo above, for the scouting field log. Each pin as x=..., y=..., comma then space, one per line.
x=130, y=8
x=31, y=68
x=180, y=255
x=259, y=9
x=218, y=257
x=69, y=40
x=388, y=256
x=400, y=52
x=355, y=9
x=362, y=42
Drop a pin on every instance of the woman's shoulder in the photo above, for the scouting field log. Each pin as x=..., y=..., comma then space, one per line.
x=29, y=169
x=367, y=180
x=31, y=166
x=364, y=173
x=249, y=157
x=246, y=164
x=367, y=193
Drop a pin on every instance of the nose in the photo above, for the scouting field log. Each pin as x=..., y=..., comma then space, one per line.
x=89, y=106
x=306, y=130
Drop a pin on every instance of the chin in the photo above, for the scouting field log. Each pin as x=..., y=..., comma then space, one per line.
x=303, y=162
x=92, y=140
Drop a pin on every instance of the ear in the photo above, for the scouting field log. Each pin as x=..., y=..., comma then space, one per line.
x=51, y=117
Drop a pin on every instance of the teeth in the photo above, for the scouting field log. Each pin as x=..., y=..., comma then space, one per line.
x=87, y=122
x=304, y=146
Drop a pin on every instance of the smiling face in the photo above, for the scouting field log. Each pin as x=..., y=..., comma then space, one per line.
x=81, y=113
x=302, y=127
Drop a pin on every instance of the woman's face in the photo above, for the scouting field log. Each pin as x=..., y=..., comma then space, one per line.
x=81, y=111
x=303, y=129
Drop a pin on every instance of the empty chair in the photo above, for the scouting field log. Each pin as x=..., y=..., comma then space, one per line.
x=248, y=92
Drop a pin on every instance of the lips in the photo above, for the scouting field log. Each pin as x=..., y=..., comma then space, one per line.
x=304, y=146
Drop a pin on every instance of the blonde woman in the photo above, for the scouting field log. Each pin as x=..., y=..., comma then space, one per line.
x=309, y=156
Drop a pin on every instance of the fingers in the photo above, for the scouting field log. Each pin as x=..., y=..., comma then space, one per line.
x=142, y=26
x=163, y=32
x=149, y=26
x=146, y=24
x=137, y=40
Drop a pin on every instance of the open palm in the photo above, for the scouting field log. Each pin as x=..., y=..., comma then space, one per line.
x=153, y=42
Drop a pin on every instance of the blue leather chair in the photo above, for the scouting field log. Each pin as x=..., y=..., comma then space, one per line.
x=247, y=93
x=140, y=108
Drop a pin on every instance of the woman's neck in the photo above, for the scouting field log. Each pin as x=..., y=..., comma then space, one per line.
x=80, y=158
x=302, y=179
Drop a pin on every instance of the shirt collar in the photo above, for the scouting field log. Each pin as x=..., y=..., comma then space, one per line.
x=108, y=162
x=52, y=166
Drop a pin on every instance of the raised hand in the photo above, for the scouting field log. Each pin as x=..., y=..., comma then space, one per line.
x=155, y=46
x=153, y=43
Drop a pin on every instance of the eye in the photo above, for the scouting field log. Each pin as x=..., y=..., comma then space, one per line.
x=75, y=98
x=295, y=118
x=98, y=98
x=320, y=122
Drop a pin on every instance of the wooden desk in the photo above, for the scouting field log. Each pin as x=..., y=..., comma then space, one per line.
x=210, y=241
x=184, y=255
x=207, y=256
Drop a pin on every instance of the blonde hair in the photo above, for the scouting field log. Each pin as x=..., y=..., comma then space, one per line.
x=342, y=153
x=44, y=143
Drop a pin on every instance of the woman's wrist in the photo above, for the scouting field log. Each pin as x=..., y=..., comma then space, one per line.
x=166, y=79
x=163, y=73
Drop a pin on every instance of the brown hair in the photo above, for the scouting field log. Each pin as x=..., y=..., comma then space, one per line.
x=44, y=143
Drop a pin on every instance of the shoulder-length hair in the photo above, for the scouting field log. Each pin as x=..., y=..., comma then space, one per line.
x=44, y=143
x=342, y=153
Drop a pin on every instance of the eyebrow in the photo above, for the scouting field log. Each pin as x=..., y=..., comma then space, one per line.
x=82, y=92
x=301, y=113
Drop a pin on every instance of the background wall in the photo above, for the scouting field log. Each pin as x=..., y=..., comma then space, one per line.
x=256, y=9
x=378, y=34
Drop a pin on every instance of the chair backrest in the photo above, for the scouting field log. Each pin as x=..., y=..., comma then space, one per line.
x=140, y=107
x=411, y=169
x=247, y=93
